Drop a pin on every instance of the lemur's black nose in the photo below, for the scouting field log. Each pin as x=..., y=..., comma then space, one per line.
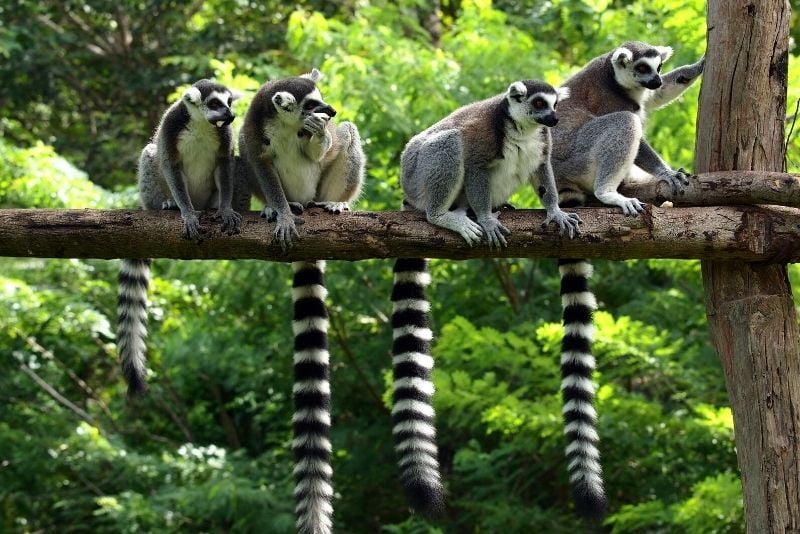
x=655, y=83
x=548, y=120
x=329, y=111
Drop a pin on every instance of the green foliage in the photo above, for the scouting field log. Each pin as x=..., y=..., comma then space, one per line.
x=715, y=506
x=207, y=449
x=37, y=177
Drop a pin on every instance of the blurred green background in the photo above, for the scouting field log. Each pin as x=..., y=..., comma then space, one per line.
x=83, y=86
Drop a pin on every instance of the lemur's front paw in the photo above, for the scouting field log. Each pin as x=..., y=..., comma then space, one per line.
x=191, y=226
x=169, y=205
x=495, y=231
x=465, y=227
x=331, y=207
x=567, y=222
x=690, y=72
x=315, y=124
x=631, y=206
x=296, y=208
x=231, y=221
x=677, y=180
x=285, y=230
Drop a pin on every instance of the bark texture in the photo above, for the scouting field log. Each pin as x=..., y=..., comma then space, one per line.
x=742, y=233
x=723, y=189
x=750, y=309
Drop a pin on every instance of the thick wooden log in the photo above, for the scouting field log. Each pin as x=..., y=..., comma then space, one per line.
x=750, y=309
x=724, y=188
x=742, y=233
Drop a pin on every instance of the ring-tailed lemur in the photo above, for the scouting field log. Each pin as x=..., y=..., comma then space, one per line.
x=597, y=143
x=187, y=165
x=474, y=158
x=295, y=156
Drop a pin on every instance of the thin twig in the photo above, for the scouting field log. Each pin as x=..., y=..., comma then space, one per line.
x=181, y=407
x=504, y=277
x=789, y=136
x=56, y=395
x=88, y=390
x=341, y=337
x=231, y=435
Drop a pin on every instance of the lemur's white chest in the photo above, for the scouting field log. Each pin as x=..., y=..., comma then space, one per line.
x=642, y=97
x=299, y=175
x=198, y=146
x=522, y=156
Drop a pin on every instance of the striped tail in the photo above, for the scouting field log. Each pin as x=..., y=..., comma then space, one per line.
x=312, y=401
x=134, y=277
x=412, y=413
x=577, y=388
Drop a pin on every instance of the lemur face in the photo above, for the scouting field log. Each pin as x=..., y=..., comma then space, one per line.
x=534, y=102
x=211, y=101
x=637, y=65
x=217, y=108
x=296, y=98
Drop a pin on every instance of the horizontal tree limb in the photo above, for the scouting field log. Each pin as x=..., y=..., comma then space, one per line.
x=747, y=233
x=724, y=188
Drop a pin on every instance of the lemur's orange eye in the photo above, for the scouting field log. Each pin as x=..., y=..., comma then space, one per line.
x=642, y=68
x=539, y=104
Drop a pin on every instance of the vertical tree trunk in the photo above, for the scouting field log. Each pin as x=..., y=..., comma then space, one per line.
x=750, y=308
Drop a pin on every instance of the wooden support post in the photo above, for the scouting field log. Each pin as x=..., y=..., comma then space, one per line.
x=750, y=309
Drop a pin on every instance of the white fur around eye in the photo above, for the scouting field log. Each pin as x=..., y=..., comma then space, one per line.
x=653, y=62
x=192, y=95
x=550, y=98
x=563, y=93
x=622, y=55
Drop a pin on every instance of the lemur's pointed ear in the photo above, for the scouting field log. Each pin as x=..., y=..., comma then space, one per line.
x=665, y=52
x=315, y=75
x=284, y=101
x=192, y=95
x=235, y=95
x=563, y=93
x=622, y=56
x=517, y=91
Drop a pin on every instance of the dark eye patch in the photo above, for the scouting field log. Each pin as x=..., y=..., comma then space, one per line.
x=539, y=103
x=642, y=68
x=214, y=104
x=310, y=104
x=659, y=68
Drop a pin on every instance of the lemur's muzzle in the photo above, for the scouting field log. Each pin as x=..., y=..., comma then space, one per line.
x=224, y=119
x=548, y=120
x=653, y=83
x=326, y=109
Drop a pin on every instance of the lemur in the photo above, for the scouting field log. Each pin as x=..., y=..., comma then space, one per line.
x=188, y=165
x=294, y=157
x=597, y=143
x=475, y=158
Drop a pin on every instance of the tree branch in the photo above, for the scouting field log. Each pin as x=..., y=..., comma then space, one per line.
x=725, y=188
x=747, y=233
x=742, y=232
